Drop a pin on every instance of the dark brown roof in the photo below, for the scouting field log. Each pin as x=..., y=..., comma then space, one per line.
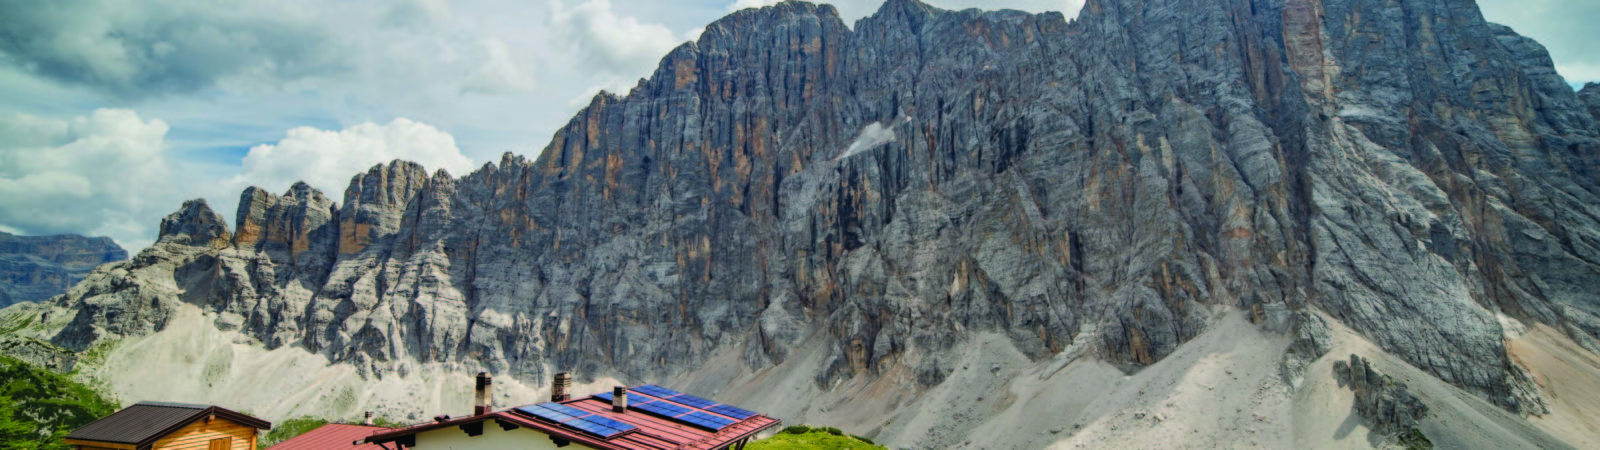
x=331, y=437
x=143, y=423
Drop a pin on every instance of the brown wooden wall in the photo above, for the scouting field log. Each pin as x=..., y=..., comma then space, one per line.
x=198, y=436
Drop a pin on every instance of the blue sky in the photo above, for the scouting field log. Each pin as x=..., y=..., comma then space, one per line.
x=116, y=111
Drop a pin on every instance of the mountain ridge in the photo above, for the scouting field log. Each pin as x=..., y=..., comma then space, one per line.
x=1118, y=182
x=36, y=268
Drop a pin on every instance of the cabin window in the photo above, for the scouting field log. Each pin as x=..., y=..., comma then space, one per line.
x=221, y=444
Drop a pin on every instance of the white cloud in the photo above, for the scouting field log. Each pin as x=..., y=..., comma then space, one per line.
x=499, y=73
x=327, y=159
x=694, y=33
x=851, y=10
x=106, y=174
x=1580, y=72
x=616, y=44
x=614, y=85
x=111, y=173
x=742, y=4
x=152, y=48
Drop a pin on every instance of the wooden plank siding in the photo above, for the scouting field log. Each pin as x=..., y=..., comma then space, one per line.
x=198, y=436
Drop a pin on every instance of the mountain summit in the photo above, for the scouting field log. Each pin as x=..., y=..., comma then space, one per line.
x=881, y=215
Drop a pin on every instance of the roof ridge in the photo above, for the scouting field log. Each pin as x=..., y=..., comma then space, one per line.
x=173, y=404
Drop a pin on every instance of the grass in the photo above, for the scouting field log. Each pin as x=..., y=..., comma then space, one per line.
x=1415, y=440
x=288, y=429
x=802, y=437
x=15, y=323
x=96, y=354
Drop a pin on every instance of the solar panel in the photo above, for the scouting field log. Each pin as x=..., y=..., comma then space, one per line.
x=690, y=400
x=577, y=419
x=608, y=422
x=604, y=396
x=592, y=426
x=656, y=391
x=661, y=409
x=564, y=409
x=545, y=412
x=707, y=421
x=731, y=411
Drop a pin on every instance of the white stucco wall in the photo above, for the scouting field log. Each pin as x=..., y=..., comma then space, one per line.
x=493, y=438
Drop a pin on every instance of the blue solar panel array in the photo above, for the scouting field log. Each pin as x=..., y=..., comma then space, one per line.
x=599, y=426
x=690, y=400
x=731, y=411
x=680, y=407
x=577, y=419
x=656, y=391
x=705, y=420
x=661, y=409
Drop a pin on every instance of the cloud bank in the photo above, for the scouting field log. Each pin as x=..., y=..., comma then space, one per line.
x=605, y=40
x=105, y=174
x=110, y=173
x=327, y=159
x=852, y=10
x=134, y=50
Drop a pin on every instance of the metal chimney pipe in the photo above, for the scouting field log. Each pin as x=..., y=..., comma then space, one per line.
x=619, y=399
x=367, y=419
x=559, y=389
x=481, y=406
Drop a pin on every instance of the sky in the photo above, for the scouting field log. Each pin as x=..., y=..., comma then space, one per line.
x=113, y=112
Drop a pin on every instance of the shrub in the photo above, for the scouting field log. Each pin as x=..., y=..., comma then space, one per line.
x=39, y=407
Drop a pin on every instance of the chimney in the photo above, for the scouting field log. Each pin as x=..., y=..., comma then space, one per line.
x=367, y=420
x=481, y=406
x=619, y=399
x=558, y=390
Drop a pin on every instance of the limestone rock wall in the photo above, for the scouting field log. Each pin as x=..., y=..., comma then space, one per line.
x=1406, y=168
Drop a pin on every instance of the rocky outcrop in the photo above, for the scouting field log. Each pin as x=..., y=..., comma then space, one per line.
x=39, y=353
x=1590, y=95
x=1406, y=169
x=35, y=268
x=1391, y=408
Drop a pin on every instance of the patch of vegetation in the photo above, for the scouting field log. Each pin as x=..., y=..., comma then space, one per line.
x=386, y=423
x=39, y=407
x=803, y=437
x=291, y=428
x=15, y=323
x=288, y=429
x=1415, y=440
x=97, y=354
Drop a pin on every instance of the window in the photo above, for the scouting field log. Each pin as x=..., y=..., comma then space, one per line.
x=221, y=444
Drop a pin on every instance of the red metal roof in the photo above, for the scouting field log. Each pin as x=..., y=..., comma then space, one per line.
x=333, y=436
x=654, y=433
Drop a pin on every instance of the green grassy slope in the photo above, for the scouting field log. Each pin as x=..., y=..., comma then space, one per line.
x=801, y=437
x=39, y=407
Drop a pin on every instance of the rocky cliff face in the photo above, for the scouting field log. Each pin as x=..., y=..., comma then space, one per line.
x=35, y=268
x=1406, y=168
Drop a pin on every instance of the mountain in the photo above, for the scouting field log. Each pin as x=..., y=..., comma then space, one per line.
x=954, y=229
x=35, y=268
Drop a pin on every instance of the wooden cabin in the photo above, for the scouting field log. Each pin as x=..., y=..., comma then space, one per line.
x=170, y=426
